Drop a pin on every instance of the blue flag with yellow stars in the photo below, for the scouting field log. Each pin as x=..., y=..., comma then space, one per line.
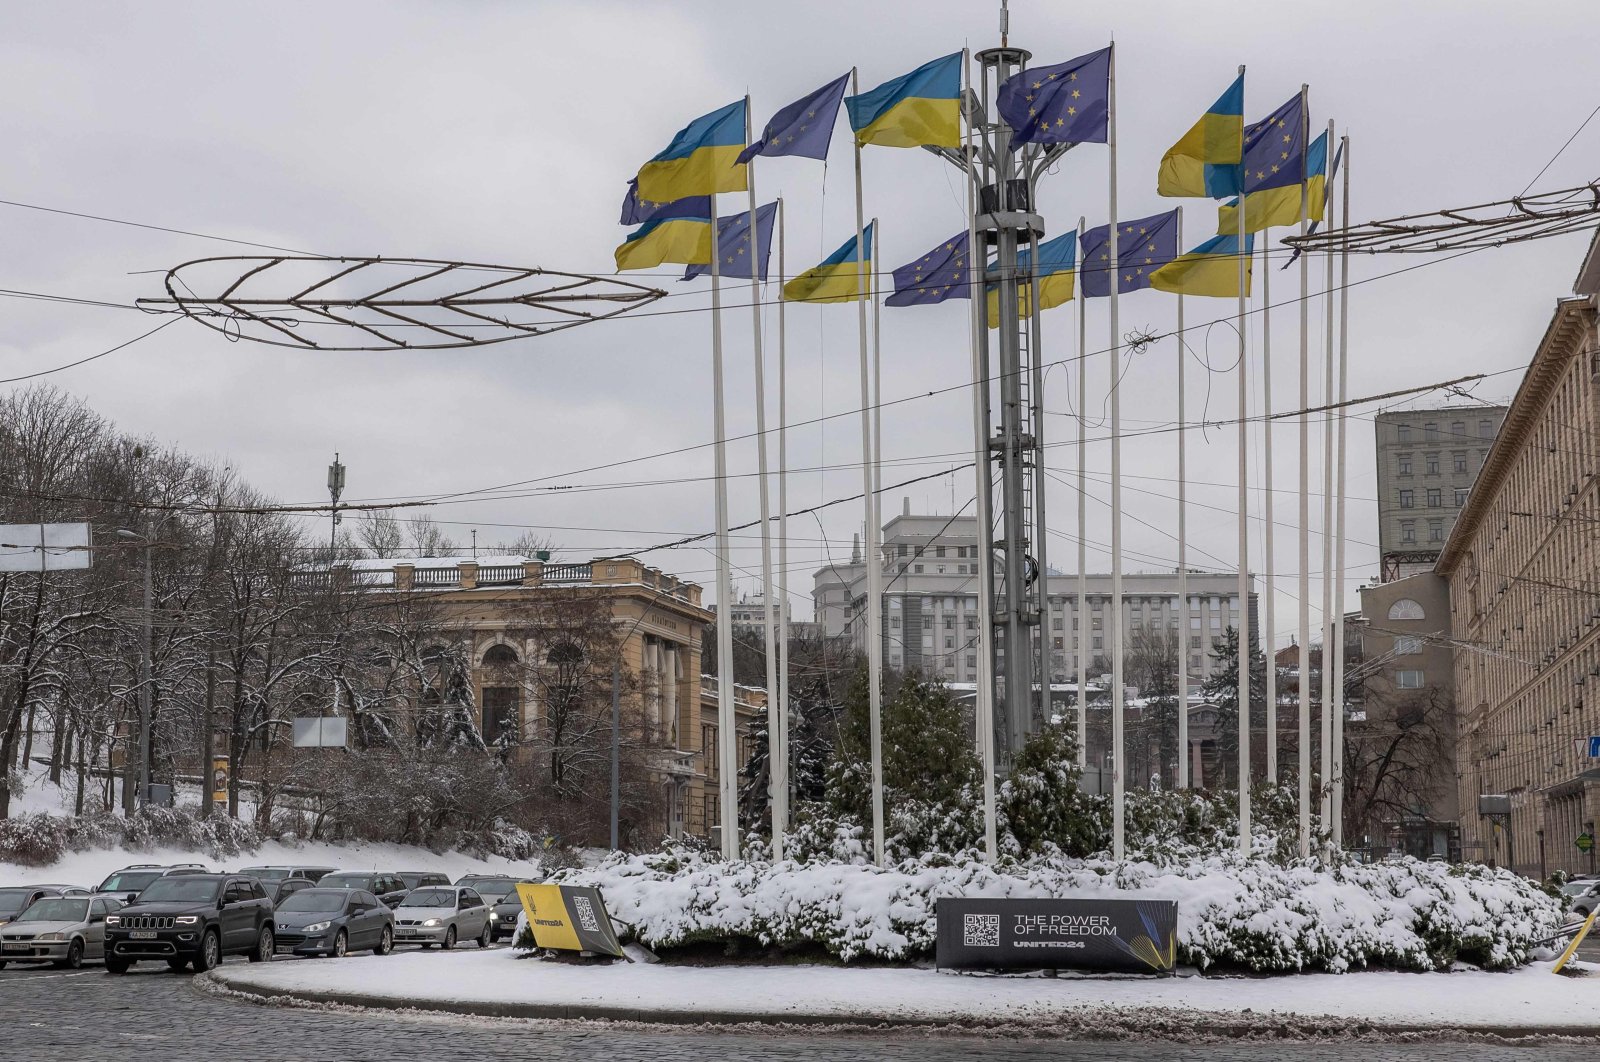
x=1275, y=150
x=942, y=273
x=1143, y=246
x=1068, y=103
x=805, y=127
x=636, y=211
x=733, y=245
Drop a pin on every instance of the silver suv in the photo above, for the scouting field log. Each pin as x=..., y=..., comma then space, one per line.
x=126, y=884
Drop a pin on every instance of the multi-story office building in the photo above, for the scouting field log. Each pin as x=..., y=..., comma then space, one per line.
x=1427, y=461
x=1523, y=566
x=931, y=616
x=750, y=613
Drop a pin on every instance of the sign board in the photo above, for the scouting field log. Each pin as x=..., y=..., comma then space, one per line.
x=219, y=779
x=1594, y=748
x=44, y=547
x=1494, y=804
x=569, y=918
x=1585, y=842
x=1127, y=936
x=320, y=732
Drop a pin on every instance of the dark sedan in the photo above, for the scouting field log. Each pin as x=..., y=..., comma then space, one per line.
x=500, y=893
x=334, y=922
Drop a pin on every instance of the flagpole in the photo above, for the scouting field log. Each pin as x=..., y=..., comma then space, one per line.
x=1304, y=693
x=727, y=723
x=977, y=259
x=1182, y=780
x=1118, y=782
x=1244, y=656
x=1339, y=501
x=1328, y=650
x=1046, y=706
x=1269, y=581
x=874, y=632
x=770, y=627
x=780, y=756
x=1080, y=622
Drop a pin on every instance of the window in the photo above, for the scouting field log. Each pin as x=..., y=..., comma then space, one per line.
x=927, y=623
x=1434, y=497
x=1461, y=497
x=1408, y=680
x=502, y=713
x=1408, y=499
x=1485, y=429
x=1056, y=623
x=1405, y=464
x=1405, y=433
x=1057, y=643
x=917, y=569
x=499, y=656
x=1194, y=641
x=1406, y=609
x=972, y=623
x=1099, y=643
x=903, y=550
x=972, y=661
x=1408, y=532
x=1430, y=431
x=949, y=641
x=1435, y=530
x=894, y=623
x=1458, y=462
x=1407, y=646
x=949, y=623
x=1433, y=464
x=1458, y=429
x=938, y=551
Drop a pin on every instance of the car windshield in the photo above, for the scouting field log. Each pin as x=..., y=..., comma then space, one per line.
x=56, y=909
x=13, y=901
x=325, y=902
x=129, y=880
x=413, y=880
x=266, y=873
x=430, y=898
x=181, y=889
x=345, y=881
x=1575, y=888
x=490, y=886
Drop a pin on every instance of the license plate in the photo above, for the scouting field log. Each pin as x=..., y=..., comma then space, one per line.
x=143, y=934
x=17, y=947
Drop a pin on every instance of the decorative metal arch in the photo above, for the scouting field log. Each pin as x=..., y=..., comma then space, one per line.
x=1465, y=228
x=388, y=303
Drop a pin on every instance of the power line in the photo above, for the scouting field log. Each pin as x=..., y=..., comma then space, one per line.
x=92, y=357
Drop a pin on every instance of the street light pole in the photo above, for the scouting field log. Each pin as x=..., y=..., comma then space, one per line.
x=144, y=674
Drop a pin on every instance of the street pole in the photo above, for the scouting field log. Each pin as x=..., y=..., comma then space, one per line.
x=616, y=743
x=144, y=689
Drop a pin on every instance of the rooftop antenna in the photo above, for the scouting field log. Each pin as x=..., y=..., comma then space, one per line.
x=474, y=543
x=335, y=489
x=1005, y=22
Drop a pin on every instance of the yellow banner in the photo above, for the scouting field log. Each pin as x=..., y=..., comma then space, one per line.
x=219, y=779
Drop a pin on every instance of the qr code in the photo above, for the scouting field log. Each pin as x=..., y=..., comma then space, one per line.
x=980, y=930
x=586, y=917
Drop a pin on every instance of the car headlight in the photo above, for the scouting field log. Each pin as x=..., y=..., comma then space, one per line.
x=493, y=917
x=431, y=922
x=187, y=920
x=318, y=927
x=113, y=920
x=52, y=937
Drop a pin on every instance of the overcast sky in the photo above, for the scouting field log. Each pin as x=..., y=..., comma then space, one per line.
x=504, y=133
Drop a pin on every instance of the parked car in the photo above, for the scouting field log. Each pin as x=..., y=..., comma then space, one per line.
x=416, y=879
x=127, y=883
x=387, y=887
x=1583, y=896
x=334, y=922
x=442, y=914
x=276, y=873
x=65, y=930
x=192, y=920
x=280, y=890
x=14, y=901
x=500, y=893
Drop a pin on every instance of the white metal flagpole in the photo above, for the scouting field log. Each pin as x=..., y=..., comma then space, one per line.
x=727, y=722
x=770, y=626
x=1118, y=768
x=1269, y=587
x=874, y=631
x=1328, y=649
x=1339, y=500
x=1304, y=693
x=1080, y=623
x=977, y=259
x=780, y=755
x=1183, y=556
x=1243, y=658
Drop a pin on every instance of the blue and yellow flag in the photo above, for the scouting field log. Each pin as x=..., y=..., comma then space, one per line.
x=1143, y=246
x=701, y=160
x=1281, y=205
x=1210, y=269
x=680, y=231
x=636, y=211
x=1057, y=273
x=1205, y=162
x=837, y=279
x=1068, y=103
x=940, y=274
x=913, y=110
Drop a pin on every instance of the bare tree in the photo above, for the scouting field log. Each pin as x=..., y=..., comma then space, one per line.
x=1397, y=760
x=381, y=534
x=427, y=539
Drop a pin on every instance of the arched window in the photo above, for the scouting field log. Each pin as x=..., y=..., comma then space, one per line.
x=1406, y=609
x=499, y=656
x=565, y=653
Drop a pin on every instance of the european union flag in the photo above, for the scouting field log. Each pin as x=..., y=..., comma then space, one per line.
x=805, y=127
x=1064, y=104
x=733, y=245
x=942, y=273
x=1275, y=149
x=1143, y=246
x=636, y=211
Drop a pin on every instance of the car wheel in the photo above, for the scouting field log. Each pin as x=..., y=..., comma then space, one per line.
x=74, y=959
x=117, y=966
x=265, y=946
x=385, y=942
x=486, y=937
x=449, y=938
x=177, y=965
x=210, y=952
x=341, y=944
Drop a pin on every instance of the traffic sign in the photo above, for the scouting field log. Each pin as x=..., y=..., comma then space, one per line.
x=1594, y=748
x=1585, y=842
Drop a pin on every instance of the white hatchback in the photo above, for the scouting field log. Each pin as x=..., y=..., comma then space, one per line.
x=443, y=915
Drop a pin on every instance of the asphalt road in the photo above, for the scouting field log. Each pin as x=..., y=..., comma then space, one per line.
x=152, y=1015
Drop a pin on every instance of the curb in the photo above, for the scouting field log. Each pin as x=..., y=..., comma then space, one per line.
x=1269, y=1025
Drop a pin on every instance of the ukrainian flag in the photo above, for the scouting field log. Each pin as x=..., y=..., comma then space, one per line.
x=1210, y=269
x=701, y=160
x=837, y=279
x=678, y=232
x=1281, y=206
x=1058, y=274
x=1206, y=161
x=916, y=109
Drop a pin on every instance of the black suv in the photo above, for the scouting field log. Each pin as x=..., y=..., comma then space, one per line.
x=192, y=919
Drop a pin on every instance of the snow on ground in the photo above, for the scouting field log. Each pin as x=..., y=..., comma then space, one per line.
x=1531, y=997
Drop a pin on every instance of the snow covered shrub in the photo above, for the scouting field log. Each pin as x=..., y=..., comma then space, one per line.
x=33, y=840
x=1041, y=809
x=41, y=839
